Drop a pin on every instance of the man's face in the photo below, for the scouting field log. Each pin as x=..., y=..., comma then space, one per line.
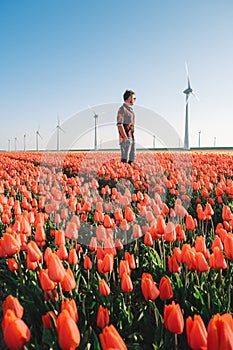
x=131, y=99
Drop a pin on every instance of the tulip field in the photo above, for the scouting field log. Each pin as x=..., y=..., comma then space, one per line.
x=96, y=254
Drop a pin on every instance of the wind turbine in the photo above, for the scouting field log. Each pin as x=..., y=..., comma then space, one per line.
x=199, y=139
x=9, y=145
x=95, y=137
x=187, y=92
x=16, y=141
x=58, y=133
x=37, y=138
x=24, y=142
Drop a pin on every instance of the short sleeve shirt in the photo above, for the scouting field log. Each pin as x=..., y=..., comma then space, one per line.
x=126, y=117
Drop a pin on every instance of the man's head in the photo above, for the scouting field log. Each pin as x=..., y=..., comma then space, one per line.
x=129, y=97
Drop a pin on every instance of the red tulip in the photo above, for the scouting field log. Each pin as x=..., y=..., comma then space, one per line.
x=87, y=263
x=12, y=264
x=196, y=332
x=130, y=258
x=201, y=263
x=190, y=223
x=68, y=332
x=111, y=339
x=15, y=332
x=173, y=318
x=70, y=306
x=170, y=232
x=165, y=288
x=73, y=257
x=10, y=244
x=220, y=332
x=56, y=270
x=228, y=246
x=68, y=283
x=173, y=264
x=46, y=283
x=102, y=317
x=49, y=319
x=104, y=288
x=126, y=283
x=124, y=267
x=149, y=289
x=13, y=304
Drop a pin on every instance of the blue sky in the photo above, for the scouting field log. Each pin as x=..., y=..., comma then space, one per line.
x=59, y=57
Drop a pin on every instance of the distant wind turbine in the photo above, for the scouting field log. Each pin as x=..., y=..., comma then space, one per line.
x=16, y=141
x=187, y=92
x=58, y=127
x=9, y=145
x=37, y=138
x=96, y=116
x=24, y=142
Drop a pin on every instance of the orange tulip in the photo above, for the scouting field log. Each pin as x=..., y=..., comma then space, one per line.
x=62, y=252
x=15, y=332
x=10, y=244
x=226, y=213
x=70, y=306
x=40, y=235
x=220, y=332
x=228, y=246
x=13, y=304
x=129, y=214
x=173, y=318
x=49, y=319
x=110, y=338
x=190, y=223
x=56, y=270
x=67, y=331
x=149, y=289
x=165, y=288
x=12, y=264
x=170, y=232
x=173, y=264
x=130, y=258
x=196, y=332
x=104, y=288
x=34, y=252
x=60, y=237
x=102, y=317
x=126, y=283
x=201, y=263
x=124, y=267
x=73, y=257
x=148, y=239
x=87, y=263
x=46, y=283
x=68, y=283
x=217, y=260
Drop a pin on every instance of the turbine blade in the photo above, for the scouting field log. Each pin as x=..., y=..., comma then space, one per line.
x=187, y=73
x=196, y=97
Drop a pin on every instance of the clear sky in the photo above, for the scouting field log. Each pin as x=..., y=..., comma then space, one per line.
x=58, y=57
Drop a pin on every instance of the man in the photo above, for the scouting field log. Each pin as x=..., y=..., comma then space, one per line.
x=125, y=125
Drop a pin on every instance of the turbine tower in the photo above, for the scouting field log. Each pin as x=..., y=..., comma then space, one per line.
x=24, y=142
x=95, y=140
x=187, y=92
x=37, y=138
x=58, y=127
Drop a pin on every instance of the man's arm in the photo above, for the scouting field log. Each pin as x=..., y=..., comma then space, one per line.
x=120, y=126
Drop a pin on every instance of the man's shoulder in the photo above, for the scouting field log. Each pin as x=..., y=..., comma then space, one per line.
x=121, y=109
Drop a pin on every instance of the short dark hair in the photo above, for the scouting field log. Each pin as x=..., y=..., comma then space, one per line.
x=127, y=94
